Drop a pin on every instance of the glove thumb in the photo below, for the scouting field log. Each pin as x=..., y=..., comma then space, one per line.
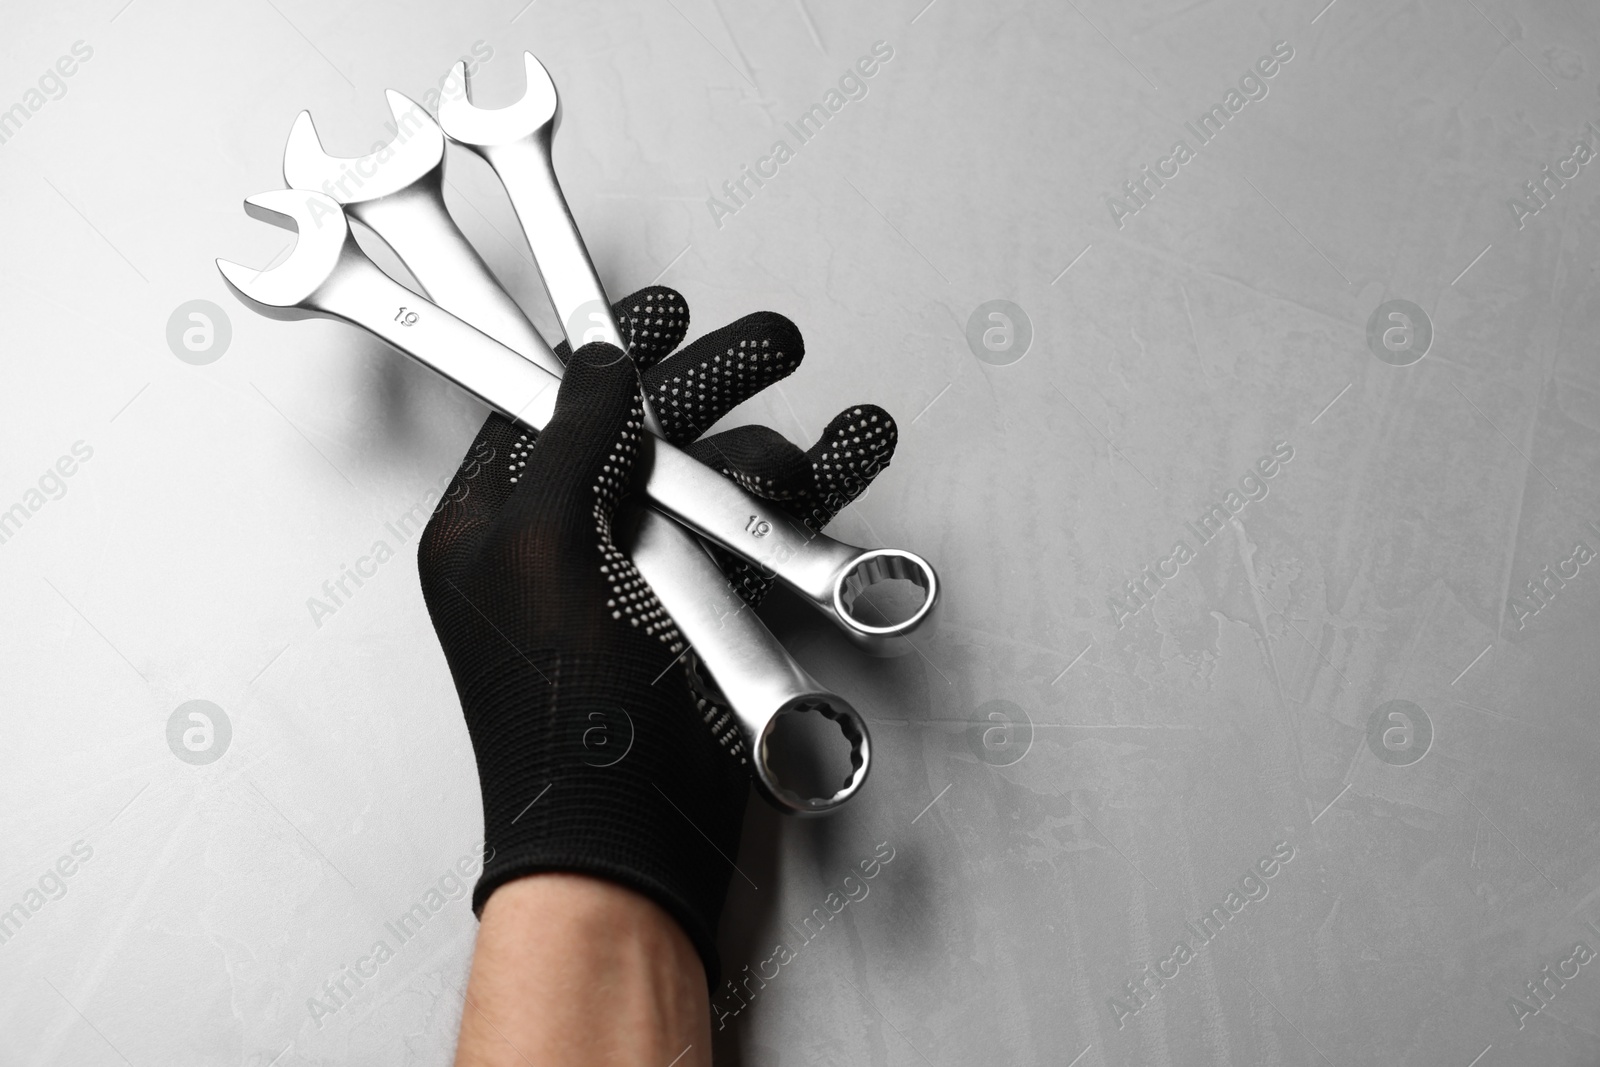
x=580, y=465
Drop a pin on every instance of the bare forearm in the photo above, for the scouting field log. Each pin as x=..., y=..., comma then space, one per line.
x=575, y=970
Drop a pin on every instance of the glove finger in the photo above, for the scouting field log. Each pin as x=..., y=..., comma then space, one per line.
x=854, y=448
x=759, y=459
x=768, y=465
x=653, y=320
x=696, y=387
x=814, y=485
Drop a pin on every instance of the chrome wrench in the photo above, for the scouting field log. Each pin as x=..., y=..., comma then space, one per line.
x=516, y=142
x=327, y=274
x=398, y=194
x=401, y=199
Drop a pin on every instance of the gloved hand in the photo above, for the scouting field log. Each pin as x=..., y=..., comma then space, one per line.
x=699, y=385
x=596, y=750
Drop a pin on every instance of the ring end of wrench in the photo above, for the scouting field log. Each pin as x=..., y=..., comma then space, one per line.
x=868, y=569
x=854, y=728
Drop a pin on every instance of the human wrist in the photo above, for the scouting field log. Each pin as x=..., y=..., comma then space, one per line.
x=612, y=976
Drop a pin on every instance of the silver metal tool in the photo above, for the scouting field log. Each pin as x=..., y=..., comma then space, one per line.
x=328, y=274
x=398, y=193
x=516, y=142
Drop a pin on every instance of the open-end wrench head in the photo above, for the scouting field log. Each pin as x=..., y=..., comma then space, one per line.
x=417, y=149
x=323, y=233
x=477, y=127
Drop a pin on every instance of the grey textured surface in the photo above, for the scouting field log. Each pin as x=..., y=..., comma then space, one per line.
x=1143, y=763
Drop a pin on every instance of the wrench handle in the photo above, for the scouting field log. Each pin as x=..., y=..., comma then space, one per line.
x=415, y=223
x=830, y=575
x=360, y=293
x=753, y=670
x=568, y=272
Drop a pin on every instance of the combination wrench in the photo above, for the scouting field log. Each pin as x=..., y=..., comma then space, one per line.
x=516, y=142
x=398, y=194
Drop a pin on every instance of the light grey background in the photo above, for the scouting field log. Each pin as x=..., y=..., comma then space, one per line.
x=1168, y=755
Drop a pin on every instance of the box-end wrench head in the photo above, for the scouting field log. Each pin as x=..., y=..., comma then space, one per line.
x=517, y=142
x=327, y=275
x=398, y=193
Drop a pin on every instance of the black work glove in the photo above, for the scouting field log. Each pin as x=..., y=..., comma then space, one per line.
x=596, y=750
x=710, y=377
